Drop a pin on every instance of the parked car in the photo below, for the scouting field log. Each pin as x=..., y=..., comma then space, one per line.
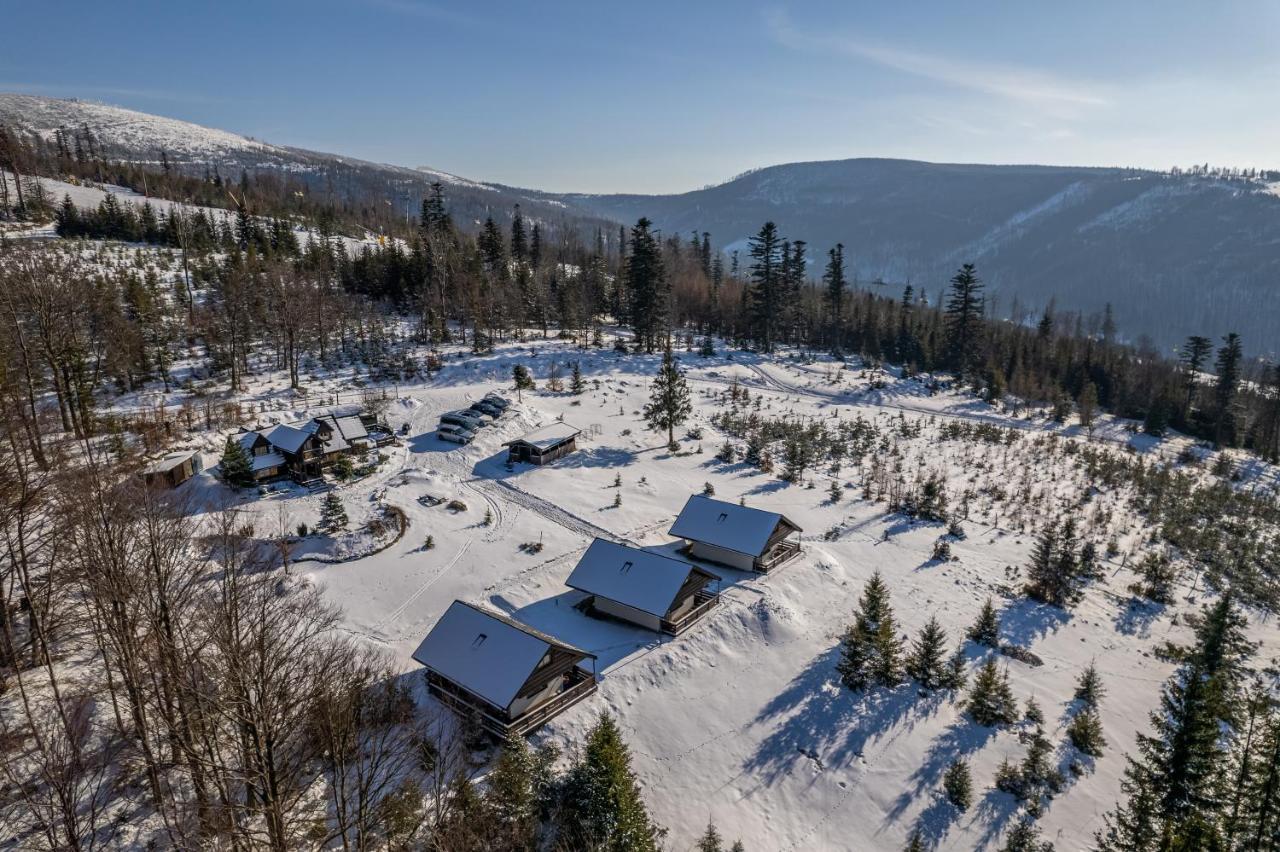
x=465, y=419
x=482, y=416
x=484, y=406
x=498, y=400
x=462, y=436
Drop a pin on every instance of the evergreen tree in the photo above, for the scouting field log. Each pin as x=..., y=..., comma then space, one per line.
x=1054, y=574
x=871, y=649
x=576, y=384
x=915, y=843
x=602, y=808
x=710, y=840
x=332, y=513
x=990, y=700
x=1025, y=837
x=1033, y=713
x=964, y=321
x=957, y=783
x=518, y=789
x=1089, y=688
x=955, y=676
x=834, y=281
x=647, y=287
x=925, y=662
x=1085, y=732
x=1134, y=825
x=669, y=401
x=237, y=469
x=519, y=243
x=986, y=630
x=766, y=291
x=1225, y=388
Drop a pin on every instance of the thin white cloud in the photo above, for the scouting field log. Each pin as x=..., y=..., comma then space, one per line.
x=1025, y=85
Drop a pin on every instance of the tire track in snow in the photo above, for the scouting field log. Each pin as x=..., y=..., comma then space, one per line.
x=421, y=590
x=543, y=508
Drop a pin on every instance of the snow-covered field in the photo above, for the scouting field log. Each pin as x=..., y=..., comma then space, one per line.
x=742, y=719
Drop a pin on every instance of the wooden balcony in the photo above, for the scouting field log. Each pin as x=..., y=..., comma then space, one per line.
x=780, y=553
x=494, y=720
x=704, y=602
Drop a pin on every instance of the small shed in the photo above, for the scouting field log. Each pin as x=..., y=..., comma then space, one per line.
x=737, y=536
x=645, y=588
x=508, y=676
x=173, y=470
x=544, y=444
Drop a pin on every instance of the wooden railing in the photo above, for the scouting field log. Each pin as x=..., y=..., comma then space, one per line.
x=703, y=601
x=781, y=552
x=467, y=704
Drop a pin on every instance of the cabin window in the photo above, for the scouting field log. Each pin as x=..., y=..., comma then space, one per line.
x=724, y=516
x=479, y=640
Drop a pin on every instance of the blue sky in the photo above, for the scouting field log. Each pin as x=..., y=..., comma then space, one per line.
x=664, y=97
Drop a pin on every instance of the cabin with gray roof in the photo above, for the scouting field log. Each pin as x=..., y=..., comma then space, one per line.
x=173, y=470
x=737, y=536
x=507, y=676
x=544, y=444
x=642, y=587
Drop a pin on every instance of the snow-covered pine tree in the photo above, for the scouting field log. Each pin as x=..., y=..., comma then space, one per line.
x=601, y=806
x=990, y=700
x=957, y=784
x=332, y=513
x=1089, y=688
x=986, y=630
x=576, y=384
x=669, y=403
x=1025, y=837
x=237, y=470
x=925, y=662
x=1085, y=732
x=710, y=840
x=871, y=649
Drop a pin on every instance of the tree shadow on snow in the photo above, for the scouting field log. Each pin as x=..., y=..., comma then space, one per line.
x=1136, y=616
x=824, y=723
x=1023, y=621
x=962, y=739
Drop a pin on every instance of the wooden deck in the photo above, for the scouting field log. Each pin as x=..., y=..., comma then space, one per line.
x=704, y=602
x=496, y=721
x=781, y=553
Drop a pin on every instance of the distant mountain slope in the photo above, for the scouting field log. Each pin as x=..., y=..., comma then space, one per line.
x=1174, y=255
x=140, y=137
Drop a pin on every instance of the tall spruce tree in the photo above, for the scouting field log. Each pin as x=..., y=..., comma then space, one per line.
x=237, y=470
x=990, y=700
x=1226, y=386
x=964, y=321
x=646, y=285
x=834, y=283
x=601, y=803
x=669, y=404
x=871, y=651
x=765, y=294
x=926, y=662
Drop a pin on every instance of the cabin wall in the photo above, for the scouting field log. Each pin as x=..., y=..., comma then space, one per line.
x=628, y=613
x=685, y=605
x=711, y=553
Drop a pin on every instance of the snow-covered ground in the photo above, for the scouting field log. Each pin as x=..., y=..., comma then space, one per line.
x=742, y=719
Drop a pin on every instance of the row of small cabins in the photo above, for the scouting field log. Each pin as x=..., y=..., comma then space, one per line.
x=512, y=678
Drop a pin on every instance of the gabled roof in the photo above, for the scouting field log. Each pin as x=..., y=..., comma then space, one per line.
x=351, y=427
x=486, y=652
x=265, y=461
x=325, y=429
x=641, y=579
x=169, y=462
x=545, y=437
x=287, y=438
x=728, y=525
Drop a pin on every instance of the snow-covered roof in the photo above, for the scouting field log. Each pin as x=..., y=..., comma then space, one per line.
x=264, y=462
x=351, y=427
x=728, y=525
x=485, y=652
x=545, y=437
x=638, y=578
x=169, y=462
x=287, y=438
